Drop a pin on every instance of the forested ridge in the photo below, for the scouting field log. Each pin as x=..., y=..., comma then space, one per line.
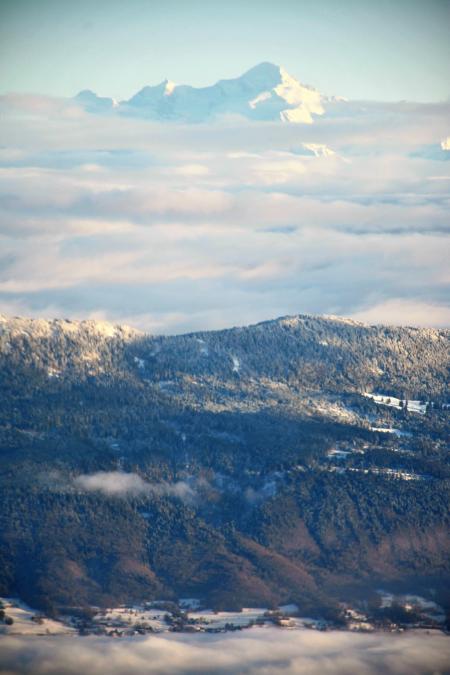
x=244, y=466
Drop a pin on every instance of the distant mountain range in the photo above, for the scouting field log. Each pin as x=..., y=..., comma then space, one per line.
x=265, y=92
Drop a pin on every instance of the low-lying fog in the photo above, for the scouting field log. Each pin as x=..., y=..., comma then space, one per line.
x=266, y=651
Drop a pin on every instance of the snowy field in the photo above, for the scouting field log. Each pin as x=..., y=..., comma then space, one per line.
x=218, y=620
x=419, y=407
x=27, y=621
x=123, y=617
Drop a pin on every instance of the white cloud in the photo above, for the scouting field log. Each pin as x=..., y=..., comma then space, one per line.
x=122, y=484
x=262, y=651
x=404, y=312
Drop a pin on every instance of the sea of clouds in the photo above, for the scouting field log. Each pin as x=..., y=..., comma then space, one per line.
x=262, y=651
x=179, y=227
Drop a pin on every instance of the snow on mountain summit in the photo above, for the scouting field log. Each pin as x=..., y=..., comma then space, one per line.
x=301, y=102
x=265, y=92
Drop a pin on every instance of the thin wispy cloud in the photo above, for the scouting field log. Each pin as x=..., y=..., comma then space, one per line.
x=123, y=484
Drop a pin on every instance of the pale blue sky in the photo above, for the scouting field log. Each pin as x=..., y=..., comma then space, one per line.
x=391, y=50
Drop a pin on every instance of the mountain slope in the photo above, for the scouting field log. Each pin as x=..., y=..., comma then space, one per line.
x=243, y=466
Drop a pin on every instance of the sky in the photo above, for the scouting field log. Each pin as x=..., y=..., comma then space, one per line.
x=360, y=49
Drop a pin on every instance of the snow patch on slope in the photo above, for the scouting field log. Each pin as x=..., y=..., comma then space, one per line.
x=265, y=96
x=319, y=149
x=307, y=101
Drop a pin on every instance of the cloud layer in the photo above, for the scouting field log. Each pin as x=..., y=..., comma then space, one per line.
x=172, y=228
x=265, y=651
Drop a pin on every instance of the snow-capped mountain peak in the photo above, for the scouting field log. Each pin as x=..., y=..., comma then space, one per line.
x=305, y=101
x=265, y=92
